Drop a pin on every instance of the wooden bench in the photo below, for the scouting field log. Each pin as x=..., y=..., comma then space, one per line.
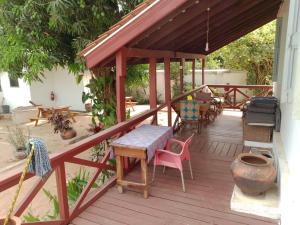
x=129, y=103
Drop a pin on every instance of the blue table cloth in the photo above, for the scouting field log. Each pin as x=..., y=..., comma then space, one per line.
x=146, y=137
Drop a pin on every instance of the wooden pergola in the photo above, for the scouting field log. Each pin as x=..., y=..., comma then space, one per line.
x=165, y=31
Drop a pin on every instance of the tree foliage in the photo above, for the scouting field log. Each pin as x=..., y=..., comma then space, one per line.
x=38, y=35
x=252, y=53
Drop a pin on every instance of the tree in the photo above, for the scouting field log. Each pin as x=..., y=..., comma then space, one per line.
x=252, y=53
x=39, y=35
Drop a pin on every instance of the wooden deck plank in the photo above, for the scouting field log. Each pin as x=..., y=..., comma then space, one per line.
x=207, y=200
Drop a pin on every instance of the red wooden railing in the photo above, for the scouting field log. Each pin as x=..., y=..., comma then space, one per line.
x=230, y=93
x=69, y=155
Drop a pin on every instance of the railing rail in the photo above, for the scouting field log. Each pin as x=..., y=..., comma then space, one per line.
x=230, y=93
x=69, y=154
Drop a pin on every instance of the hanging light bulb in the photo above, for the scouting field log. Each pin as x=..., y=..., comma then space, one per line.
x=207, y=31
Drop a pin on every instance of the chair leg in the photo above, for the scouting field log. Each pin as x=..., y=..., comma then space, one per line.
x=164, y=170
x=191, y=170
x=153, y=175
x=182, y=180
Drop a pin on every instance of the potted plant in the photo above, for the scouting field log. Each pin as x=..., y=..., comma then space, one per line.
x=18, y=139
x=62, y=125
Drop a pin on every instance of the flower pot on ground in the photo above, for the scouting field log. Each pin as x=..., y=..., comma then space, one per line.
x=18, y=138
x=13, y=221
x=253, y=174
x=62, y=125
x=88, y=107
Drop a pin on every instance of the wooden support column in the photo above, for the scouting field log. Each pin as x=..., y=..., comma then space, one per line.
x=182, y=62
x=153, y=88
x=62, y=192
x=203, y=66
x=120, y=84
x=168, y=89
x=193, y=73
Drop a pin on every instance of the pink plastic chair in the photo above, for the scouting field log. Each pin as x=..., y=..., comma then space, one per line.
x=167, y=158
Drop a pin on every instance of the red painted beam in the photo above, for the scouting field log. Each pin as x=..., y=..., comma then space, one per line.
x=168, y=89
x=203, y=75
x=62, y=193
x=150, y=17
x=193, y=73
x=121, y=59
x=153, y=87
x=181, y=80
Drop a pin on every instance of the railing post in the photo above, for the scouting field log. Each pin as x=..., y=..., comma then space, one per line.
x=234, y=97
x=168, y=89
x=62, y=192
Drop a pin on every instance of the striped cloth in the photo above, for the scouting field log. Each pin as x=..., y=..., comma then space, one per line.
x=189, y=110
x=40, y=163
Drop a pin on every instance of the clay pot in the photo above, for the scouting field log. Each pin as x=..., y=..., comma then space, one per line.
x=253, y=174
x=20, y=153
x=267, y=153
x=68, y=134
x=13, y=221
x=88, y=107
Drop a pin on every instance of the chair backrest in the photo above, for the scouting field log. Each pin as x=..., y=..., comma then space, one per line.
x=185, y=149
x=189, y=110
x=202, y=96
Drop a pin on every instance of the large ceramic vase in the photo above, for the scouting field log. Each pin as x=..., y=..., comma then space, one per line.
x=68, y=134
x=253, y=174
x=13, y=221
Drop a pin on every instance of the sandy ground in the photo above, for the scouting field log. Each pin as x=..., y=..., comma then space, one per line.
x=8, y=163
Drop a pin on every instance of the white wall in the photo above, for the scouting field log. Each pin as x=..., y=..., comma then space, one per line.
x=288, y=83
x=14, y=96
x=211, y=77
x=67, y=92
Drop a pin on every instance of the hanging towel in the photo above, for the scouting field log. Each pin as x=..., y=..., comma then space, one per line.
x=40, y=163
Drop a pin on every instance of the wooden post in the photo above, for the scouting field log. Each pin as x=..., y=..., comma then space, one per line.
x=193, y=73
x=203, y=66
x=153, y=88
x=182, y=62
x=168, y=89
x=120, y=84
x=62, y=192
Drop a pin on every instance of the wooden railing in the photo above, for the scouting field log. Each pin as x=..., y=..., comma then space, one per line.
x=235, y=95
x=70, y=155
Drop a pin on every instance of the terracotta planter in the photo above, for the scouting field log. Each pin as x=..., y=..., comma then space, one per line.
x=88, y=107
x=68, y=134
x=20, y=154
x=267, y=153
x=253, y=174
x=13, y=221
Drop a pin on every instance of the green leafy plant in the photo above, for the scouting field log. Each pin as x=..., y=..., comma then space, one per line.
x=17, y=137
x=75, y=187
x=102, y=95
x=60, y=122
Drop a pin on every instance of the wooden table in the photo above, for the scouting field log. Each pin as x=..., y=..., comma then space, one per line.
x=44, y=112
x=141, y=144
x=129, y=102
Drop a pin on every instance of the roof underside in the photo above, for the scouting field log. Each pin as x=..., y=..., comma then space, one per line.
x=183, y=28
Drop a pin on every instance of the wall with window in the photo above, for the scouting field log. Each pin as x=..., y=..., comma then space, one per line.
x=287, y=90
x=66, y=91
x=14, y=92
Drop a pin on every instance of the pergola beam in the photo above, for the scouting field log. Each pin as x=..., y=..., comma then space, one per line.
x=148, y=53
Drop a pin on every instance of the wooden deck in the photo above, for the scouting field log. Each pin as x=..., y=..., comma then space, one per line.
x=207, y=199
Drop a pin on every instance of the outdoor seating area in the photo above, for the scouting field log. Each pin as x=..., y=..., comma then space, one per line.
x=208, y=194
